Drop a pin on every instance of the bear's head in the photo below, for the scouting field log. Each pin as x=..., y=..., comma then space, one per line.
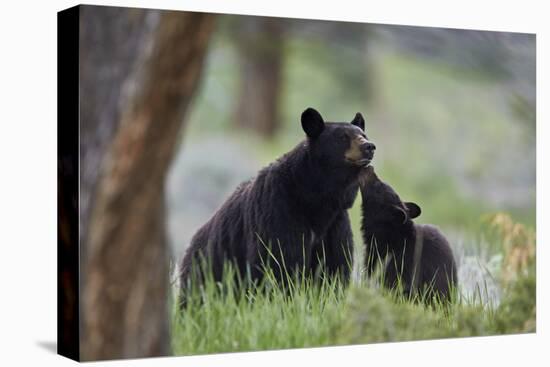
x=337, y=145
x=381, y=204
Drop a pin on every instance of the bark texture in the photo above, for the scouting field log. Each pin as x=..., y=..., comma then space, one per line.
x=126, y=288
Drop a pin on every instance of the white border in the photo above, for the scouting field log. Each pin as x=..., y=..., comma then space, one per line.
x=28, y=188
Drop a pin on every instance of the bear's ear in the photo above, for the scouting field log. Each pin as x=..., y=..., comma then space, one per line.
x=400, y=214
x=413, y=209
x=359, y=121
x=312, y=122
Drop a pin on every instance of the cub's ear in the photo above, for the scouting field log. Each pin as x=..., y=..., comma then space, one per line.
x=312, y=122
x=413, y=209
x=359, y=121
x=400, y=214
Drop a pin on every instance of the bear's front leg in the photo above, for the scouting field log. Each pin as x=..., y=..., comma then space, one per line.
x=334, y=254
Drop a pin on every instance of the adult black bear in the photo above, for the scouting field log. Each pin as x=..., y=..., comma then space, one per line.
x=421, y=258
x=296, y=207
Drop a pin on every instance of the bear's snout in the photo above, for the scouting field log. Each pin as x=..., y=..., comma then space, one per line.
x=368, y=148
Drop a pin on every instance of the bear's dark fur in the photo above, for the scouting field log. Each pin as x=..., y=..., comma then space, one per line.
x=296, y=207
x=388, y=229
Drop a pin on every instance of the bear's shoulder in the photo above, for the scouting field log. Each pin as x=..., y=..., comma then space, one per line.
x=429, y=231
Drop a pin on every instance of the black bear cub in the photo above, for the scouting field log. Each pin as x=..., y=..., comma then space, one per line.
x=420, y=258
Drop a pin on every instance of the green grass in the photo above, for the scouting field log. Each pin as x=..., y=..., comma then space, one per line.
x=372, y=316
x=260, y=318
x=324, y=313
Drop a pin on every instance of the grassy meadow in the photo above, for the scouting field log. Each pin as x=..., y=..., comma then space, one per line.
x=324, y=313
x=445, y=136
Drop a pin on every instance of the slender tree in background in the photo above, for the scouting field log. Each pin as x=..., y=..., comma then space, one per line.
x=260, y=48
x=139, y=70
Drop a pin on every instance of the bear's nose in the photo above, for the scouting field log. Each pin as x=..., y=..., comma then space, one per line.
x=369, y=146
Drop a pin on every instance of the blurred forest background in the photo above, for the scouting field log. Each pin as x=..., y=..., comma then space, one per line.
x=177, y=108
x=452, y=113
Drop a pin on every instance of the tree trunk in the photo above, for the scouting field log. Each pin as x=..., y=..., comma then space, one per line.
x=139, y=72
x=260, y=47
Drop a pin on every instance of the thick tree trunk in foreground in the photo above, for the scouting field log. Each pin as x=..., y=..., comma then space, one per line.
x=125, y=284
x=260, y=46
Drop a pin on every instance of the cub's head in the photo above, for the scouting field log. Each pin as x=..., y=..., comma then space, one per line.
x=381, y=204
x=337, y=144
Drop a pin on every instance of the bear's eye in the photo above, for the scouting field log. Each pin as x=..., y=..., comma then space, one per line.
x=343, y=138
